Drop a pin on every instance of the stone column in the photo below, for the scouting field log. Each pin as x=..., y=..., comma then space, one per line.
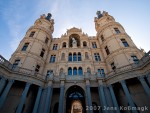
x=2, y=84
x=145, y=86
x=37, y=100
x=102, y=97
x=148, y=78
x=88, y=93
x=114, y=99
x=48, y=99
x=5, y=92
x=61, y=99
x=23, y=98
x=129, y=98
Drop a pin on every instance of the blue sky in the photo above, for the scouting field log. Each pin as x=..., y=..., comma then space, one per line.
x=16, y=16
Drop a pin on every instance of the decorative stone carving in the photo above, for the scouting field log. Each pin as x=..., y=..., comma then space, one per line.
x=99, y=15
x=49, y=15
x=74, y=42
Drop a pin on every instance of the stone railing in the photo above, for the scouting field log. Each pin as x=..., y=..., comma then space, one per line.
x=141, y=62
x=21, y=71
x=31, y=73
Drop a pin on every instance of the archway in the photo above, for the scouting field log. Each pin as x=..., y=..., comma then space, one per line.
x=56, y=108
x=75, y=100
x=76, y=37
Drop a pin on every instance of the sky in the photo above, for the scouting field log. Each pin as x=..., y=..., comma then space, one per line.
x=16, y=16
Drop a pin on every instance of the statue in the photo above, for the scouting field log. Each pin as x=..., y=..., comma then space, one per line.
x=49, y=15
x=74, y=42
x=99, y=15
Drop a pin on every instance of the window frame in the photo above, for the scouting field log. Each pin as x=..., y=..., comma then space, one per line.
x=25, y=46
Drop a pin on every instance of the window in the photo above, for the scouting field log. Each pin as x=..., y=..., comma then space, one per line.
x=15, y=64
x=25, y=46
x=52, y=59
x=88, y=70
x=125, y=43
x=102, y=38
x=32, y=34
x=70, y=57
x=64, y=45
x=79, y=56
x=42, y=52
x=117, y=30
x=101, y=72
x=46, y=40
x=74, y=57
x=63, y=56
x=135, y=59
x=94, y=45
x=86, y=55
x=69, y=71
x=84, y=44
x=107, y=50
x=55, y=46
x=74, y=71
x=80, y=72
x=37, y=68
x=49, y=72
x=97, y=57
x=113, y=66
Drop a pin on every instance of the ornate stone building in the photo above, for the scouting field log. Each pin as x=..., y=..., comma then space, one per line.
x=76, y=73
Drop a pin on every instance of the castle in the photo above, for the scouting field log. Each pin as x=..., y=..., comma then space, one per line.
x=76, y=73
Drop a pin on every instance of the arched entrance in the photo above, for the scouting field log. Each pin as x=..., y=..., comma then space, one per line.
x=75, y=100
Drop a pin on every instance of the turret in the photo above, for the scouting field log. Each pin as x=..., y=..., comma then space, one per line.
x=117, y=46
x=32, y=51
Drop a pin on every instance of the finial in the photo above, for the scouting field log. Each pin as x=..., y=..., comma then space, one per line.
x=49, y=15
x=99, y=15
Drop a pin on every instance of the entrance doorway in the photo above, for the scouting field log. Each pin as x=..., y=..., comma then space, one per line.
x=75, y=100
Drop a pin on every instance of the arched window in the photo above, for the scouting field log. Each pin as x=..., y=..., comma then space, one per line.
x=70, y=57
x=64, y=45
x=80, y=71
x=74, y=71
x=86, y=55
x=79, y=56
x=69, y=71
x=84, y=44
x=74, y=57
x=88, y=70
x=63, y=56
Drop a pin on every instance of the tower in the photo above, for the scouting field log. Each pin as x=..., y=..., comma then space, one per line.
x=75, y=73
x=32, y=51
x=118, y=48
